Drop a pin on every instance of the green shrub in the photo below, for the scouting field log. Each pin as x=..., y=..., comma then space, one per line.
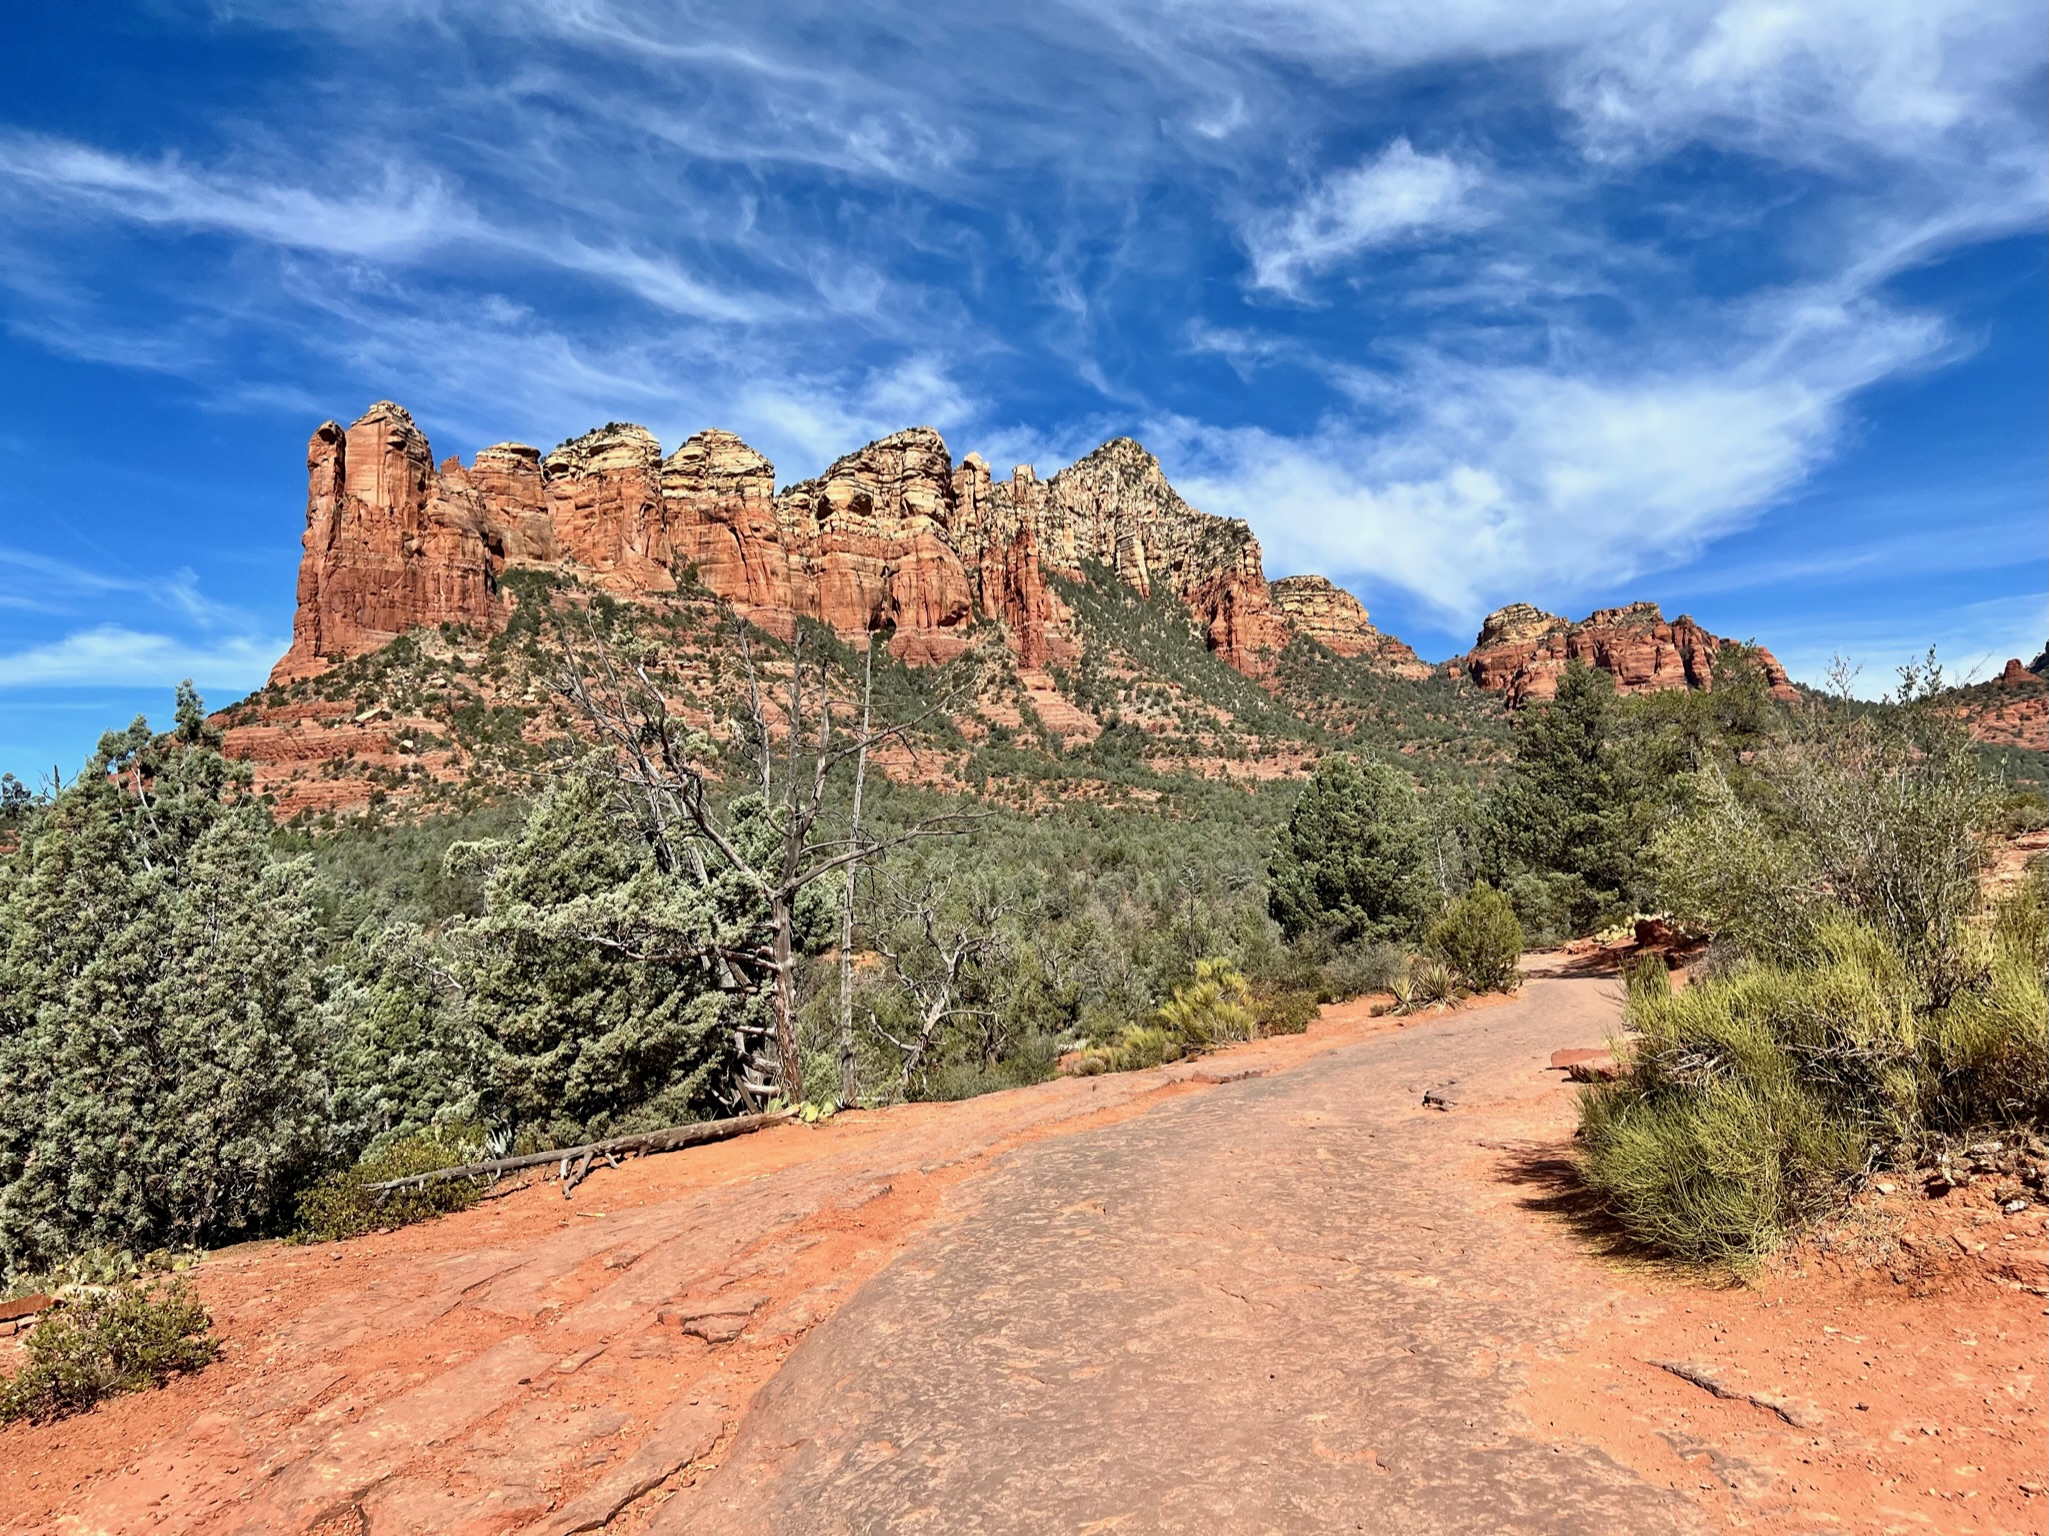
x=343, y=1205
x=1285, y=1013
x=1358, y=969
x=1213, y=1009
x=1479, y=938
x=1754, y=1097
x=1351, y=858
x=1985, y=1055
x=122, y=1339
x=1647, y=976
x=1138, y=1047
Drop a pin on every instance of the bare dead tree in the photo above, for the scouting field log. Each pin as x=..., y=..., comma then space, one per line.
x=662, y=771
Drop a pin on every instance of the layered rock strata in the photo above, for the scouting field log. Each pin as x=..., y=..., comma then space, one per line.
x=1522, y=651
x=893, y=537
x=1318, y=609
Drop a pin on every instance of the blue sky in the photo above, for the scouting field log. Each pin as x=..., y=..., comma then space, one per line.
x=1737, y=306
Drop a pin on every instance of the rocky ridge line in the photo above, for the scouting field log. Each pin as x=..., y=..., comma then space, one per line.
x=1521, y=652
x=894, y=536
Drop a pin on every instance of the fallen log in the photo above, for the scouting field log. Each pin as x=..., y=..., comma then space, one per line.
x=640, y=1143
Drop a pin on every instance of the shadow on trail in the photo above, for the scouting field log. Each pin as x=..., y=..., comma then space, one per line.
x=1556, y=1190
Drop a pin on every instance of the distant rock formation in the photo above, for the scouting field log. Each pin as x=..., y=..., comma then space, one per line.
x=1320, y=610
x=892, y=537
x=1522, y=651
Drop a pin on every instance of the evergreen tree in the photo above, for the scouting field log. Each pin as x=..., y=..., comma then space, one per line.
x=1569, y=808
x=161, y=1075
x=407, y=1053
x=1353, y=857
x=595, y=976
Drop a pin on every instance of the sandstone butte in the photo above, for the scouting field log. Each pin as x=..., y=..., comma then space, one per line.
x=893, y=537
x=1522, y=651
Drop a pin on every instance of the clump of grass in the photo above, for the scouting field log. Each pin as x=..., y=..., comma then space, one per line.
x=1358, y=969
x=121, y=1339
x=1985, y=1056
x=1427, y=983
x=1212, y=1010
x=1217, y=1008
x=1136, y=1047
x=1755, y=1098
x=344, y=1205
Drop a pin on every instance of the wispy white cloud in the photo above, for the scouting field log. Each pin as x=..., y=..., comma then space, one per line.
x=401, y=219
x=1397, y=195
x=43, y=583
x=111, y=655
x=1485, y=482
x=1973, y=641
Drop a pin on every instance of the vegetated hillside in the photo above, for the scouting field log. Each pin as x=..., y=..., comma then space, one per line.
x=2009, y=717
x=1081, y=627
x=446, y=719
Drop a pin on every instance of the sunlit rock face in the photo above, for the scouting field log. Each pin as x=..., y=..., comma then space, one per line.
x=895, y=537
x=1522, y=651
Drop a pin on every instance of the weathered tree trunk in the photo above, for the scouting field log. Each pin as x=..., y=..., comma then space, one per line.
x=789, y=1055
x=850, y=1086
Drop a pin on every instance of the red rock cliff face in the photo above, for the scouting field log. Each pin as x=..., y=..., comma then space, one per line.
x=1318, y=608
x=871, y=545
x=894, y=536
x=1522, y=651
x=385, y=550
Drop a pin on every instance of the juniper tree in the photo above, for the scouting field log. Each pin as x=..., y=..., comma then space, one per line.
x=161, y=1074
x=594, y=977
x=1352, y=859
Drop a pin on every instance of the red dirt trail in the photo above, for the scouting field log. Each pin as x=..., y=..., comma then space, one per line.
x=1438, y=1330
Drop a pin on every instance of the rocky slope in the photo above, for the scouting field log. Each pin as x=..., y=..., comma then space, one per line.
x=1522, y=651
x=2012, y=709
x=1093, y=621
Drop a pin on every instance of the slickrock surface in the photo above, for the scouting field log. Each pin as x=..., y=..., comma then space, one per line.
x=1522, y=651
x=1317, y=607
x=1268, y=1290
x=892, y=536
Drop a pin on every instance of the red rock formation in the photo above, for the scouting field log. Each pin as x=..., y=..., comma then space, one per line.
x=1115, y=507
x=722, y=521
x=1522, y=651
x=893, y=536
x=1319, y=609
x=384, y=552
x=872, y=540
x=2012, y=710
x=604, y=499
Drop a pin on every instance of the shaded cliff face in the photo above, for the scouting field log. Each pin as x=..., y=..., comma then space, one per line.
x=894, y=536
x=1321, y=610
x=1522, y=651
